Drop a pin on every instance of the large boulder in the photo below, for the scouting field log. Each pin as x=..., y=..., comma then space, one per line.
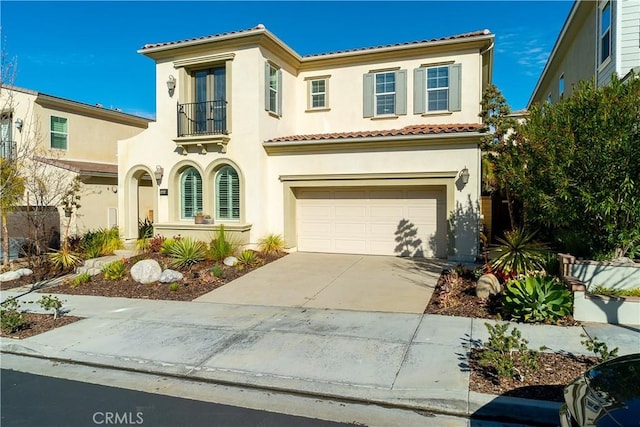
x=24, y=272
x=488, y=284
x=9, y=275
x=170, y=276
x=146, y=271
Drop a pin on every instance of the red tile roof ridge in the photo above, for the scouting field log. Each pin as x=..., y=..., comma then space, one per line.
x=213, y=36
x=420, y=129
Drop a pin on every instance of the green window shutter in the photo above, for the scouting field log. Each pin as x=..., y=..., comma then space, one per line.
x=368, y=95
x=227, y=194
x=419, y=91
x=191, y=196
x=267, y=80
x=401, y=92
x=279, y=106
x=455, y=84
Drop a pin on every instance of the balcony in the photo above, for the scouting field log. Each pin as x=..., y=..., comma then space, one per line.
x=202, y=124
x=8, y=149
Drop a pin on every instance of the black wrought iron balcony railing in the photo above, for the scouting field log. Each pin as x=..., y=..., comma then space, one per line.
x=8, y=149
x=202, y=118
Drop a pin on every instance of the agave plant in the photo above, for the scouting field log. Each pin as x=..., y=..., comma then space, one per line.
x=247, y=257
x=186, y=252
x=518, y=253
x=114, y=270
x=536, y=299
x=271, y=244
x=65, y=258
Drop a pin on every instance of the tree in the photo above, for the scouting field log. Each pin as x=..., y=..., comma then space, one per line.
x=583, y=169
x=11, y=192
x=502, y=169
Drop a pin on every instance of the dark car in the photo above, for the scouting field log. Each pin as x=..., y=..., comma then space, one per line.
x=606, y=395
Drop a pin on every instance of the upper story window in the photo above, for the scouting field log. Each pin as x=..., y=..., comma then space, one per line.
x=561, y=86
x=437, y=88
x=318, y=89
x=209, y=109
x=605, y=32
x=190, y=193
x=6, y=142
x=59, y=133
x=273, y=89
x=385, y=93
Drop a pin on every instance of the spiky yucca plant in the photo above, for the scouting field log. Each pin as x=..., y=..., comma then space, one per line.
x=187, y=251
x=518, y=253
x=271, y=244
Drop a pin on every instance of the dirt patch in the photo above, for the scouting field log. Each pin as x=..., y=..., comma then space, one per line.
x=38, y=323
x=456, y=297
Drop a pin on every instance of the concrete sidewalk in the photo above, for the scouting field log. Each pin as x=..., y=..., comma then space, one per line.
x=407, y=360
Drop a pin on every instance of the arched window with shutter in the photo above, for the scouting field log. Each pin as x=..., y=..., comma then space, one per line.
x=227, y=194
x=190, y=193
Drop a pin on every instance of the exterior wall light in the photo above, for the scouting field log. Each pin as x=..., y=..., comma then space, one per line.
x=158, y=174
x=464, y=175
x=171, y=85
x=19, y=124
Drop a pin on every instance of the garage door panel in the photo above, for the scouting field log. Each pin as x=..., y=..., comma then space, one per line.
x=368, y=220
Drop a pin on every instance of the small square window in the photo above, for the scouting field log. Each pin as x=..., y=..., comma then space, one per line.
x=59, y=133
x=318, y=93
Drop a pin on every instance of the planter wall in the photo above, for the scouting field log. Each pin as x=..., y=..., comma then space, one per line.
x=609, y=274
x=600, y=308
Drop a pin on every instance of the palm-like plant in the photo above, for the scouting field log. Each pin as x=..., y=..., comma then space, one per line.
x=271, y=244
x=518, y=253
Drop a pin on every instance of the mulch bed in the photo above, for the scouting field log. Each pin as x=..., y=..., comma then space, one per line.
x=38, y=323
x=556, y=370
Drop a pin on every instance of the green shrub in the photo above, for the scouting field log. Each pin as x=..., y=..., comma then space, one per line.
x=64, y=259
x=11, y=319
x=506, y=352
x=222, y=246
x=247, y=257
x=114, y=270
x=518, y=253
x=80, y=279
x=48, y=302
x=536, y=299
x=602, y=290
x=173, y=287
x=143, y=244
x=145, y=229
x=186, y=252
x=101, y=242
x=271, y=244
x=217, y=271
x=166, y=245
x=599, y=348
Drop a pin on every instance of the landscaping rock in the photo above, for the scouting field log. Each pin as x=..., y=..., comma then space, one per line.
x=230, y=261
x=170, y=276
x=146, y=271
x=24, y=272
x=9, y=275
x=488, y=284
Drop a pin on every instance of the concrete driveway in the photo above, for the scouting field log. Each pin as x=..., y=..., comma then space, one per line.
x=337, y=281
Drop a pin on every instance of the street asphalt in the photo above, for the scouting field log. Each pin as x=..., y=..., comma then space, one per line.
x=396, y=359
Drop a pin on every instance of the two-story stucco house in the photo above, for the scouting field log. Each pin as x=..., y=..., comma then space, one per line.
x=369, y=151
x=73, y=138
x=598, y=38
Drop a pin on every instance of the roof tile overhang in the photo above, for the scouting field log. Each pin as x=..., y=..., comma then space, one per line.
x=84, y=169
x=408, y=136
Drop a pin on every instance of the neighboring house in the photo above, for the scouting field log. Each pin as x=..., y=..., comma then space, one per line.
x=69, y=139
x=367, y=151
x=598, y=38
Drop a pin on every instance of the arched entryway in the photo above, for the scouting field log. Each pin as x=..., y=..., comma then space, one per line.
x=140, y=200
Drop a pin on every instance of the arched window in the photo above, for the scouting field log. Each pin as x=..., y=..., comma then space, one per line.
x=190, y=193
x=227, y=194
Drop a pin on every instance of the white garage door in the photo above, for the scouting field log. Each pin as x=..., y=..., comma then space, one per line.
x=373, y=220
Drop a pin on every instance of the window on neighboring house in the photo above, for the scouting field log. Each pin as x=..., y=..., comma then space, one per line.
x=385, y=93
x=437, y=89
x=190, y=193
x=59, y=133
x=318, y=93
x=561, y=86
x=273, y=89
x=605, y=32
x=227, y=194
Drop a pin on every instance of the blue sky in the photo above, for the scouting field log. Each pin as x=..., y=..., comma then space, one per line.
x=87, y=51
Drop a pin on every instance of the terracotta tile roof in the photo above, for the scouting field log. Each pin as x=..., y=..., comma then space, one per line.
x=152, y=45
x=262, y=27
x=83, y=168
x=454, y=37
x=405, y=131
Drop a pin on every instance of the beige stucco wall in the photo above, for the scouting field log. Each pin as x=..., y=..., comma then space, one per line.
x=262, y=191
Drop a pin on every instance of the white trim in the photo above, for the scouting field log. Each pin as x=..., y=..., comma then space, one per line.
x=426, y=85
x=601, y=7
x=376, y=94
x=310, y=93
